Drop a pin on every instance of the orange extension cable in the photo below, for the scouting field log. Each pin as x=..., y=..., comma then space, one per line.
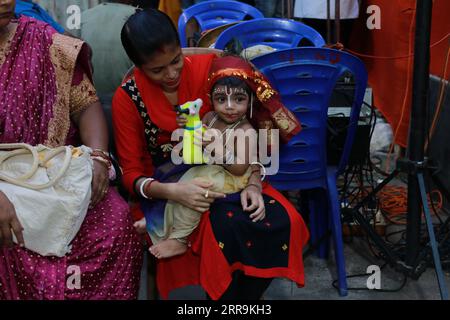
x=394, y=203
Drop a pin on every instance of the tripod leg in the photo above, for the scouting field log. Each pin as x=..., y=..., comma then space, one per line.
x=436, y=257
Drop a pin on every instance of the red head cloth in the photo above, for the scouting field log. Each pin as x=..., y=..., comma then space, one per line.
x=269, y=112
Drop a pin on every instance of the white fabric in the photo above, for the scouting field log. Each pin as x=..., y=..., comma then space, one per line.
x=256, y=51
x=317, y=9
x=52, y=216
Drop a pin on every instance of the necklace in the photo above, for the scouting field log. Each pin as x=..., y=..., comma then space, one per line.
x=230, y=126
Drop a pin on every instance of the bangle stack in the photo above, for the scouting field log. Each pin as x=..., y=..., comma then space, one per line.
x=102, y=157
x=103, y=161
x=142, y=187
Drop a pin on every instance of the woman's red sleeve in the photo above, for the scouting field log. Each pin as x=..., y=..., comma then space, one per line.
x=129, y=137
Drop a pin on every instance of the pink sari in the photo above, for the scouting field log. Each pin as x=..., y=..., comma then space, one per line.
x=44, y=78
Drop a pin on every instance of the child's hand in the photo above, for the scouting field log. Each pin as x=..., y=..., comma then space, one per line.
x=253, y=201
x=181, y=120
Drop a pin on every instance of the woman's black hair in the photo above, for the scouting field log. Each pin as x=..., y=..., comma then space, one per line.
x=232, y=82
x=146, y=32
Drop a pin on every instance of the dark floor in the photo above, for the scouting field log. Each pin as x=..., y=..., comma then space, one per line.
x=320, y=274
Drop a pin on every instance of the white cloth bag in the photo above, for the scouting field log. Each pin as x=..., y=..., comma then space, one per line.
x=50, y=190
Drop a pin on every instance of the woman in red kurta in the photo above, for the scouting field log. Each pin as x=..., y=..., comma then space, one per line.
x=242, y=266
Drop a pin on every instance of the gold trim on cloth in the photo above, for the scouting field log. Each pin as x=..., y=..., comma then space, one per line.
x=267, y=125
x=5, y=44
x=82, y=95
x=264, y=90
x=229, y=72
x=285, y=120
x=64, y=52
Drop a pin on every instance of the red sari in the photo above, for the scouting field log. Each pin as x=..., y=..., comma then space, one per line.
x=44, y=79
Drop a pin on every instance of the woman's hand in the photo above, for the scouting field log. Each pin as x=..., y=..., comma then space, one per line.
x=252, y=195
x=181, y=120
x=100, y=183
x=195, y=194
x=8, y=221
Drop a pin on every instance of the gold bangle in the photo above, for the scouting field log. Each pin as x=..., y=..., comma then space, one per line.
x=102, y=161
x=103, y=152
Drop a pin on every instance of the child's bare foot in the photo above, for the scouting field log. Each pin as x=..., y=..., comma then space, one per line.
x=168, y=248
x=140, y=226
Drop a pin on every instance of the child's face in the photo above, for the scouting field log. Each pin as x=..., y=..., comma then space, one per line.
x=230, y=103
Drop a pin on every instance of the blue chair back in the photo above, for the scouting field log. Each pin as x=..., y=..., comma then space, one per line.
x=214, y=13
x=305, y=78
x=274, y=32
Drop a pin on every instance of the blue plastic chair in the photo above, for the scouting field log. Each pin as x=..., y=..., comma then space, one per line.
x=305, y=78
x=215, y=13
x=274, y=32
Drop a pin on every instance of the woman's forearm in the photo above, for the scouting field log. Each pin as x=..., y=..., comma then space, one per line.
x=155, y=189
x=93, y=127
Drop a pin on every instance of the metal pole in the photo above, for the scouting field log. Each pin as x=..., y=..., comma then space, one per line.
x=417, y=125
x=337, y=21
x=436, y=257
x=328, y=22
x=290, y=9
